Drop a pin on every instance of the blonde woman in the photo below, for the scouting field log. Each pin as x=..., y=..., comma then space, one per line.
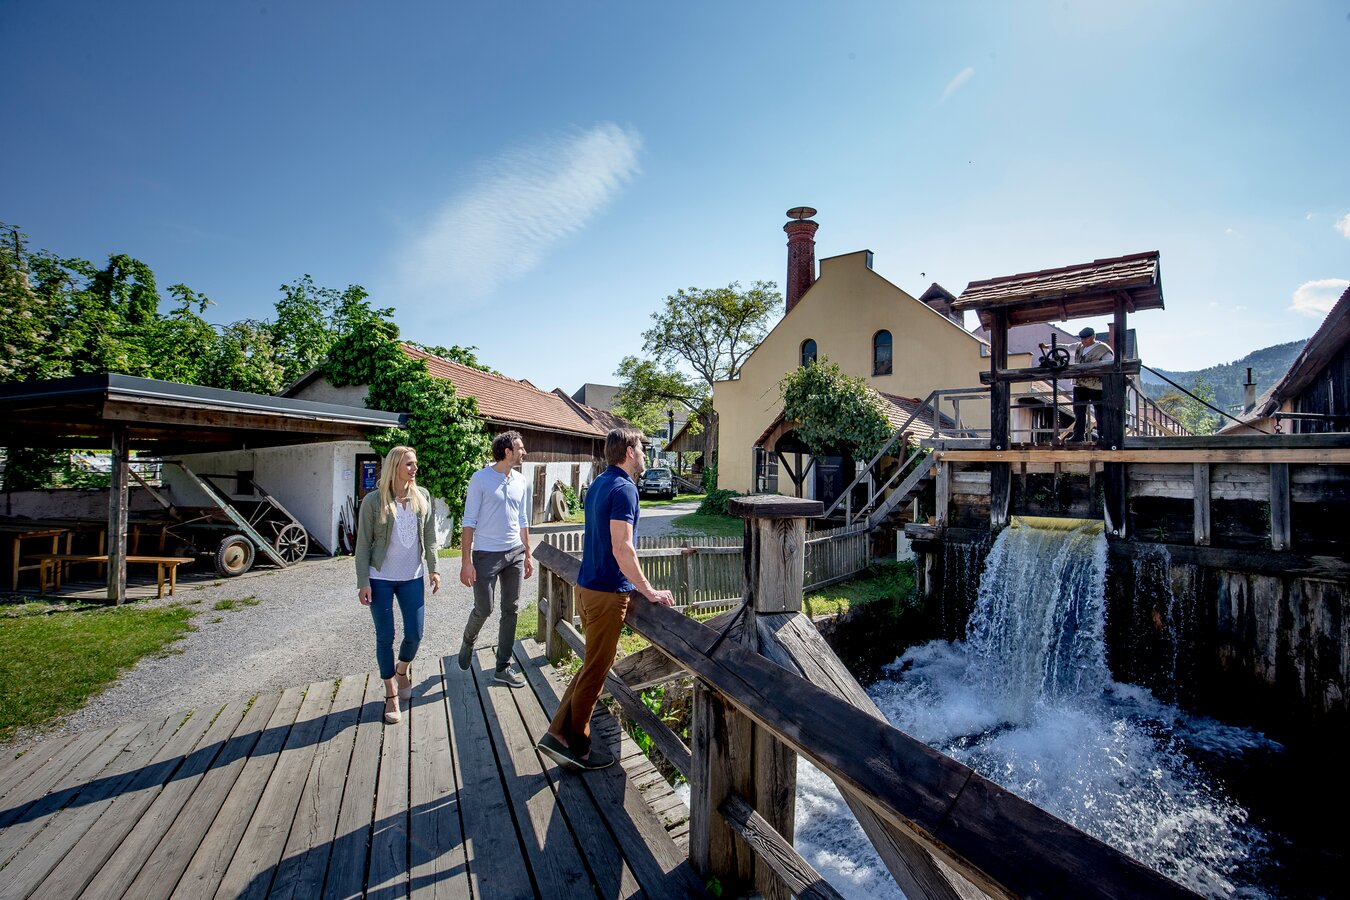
x=395, y=549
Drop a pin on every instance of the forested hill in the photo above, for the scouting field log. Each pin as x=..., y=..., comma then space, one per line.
x=1267, y=367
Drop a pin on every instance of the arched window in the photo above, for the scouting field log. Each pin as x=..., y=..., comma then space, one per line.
x=881, y=353
x=808, y=352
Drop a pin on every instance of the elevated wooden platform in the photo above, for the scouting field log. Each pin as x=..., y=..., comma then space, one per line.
x=307, y=793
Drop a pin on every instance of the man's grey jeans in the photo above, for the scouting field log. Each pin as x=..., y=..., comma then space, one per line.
x=493, y=567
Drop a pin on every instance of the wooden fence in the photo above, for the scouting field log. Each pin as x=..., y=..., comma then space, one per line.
x=708, y=573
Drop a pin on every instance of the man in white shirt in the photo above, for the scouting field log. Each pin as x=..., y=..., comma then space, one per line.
x=496, y=550
x=1087, y=390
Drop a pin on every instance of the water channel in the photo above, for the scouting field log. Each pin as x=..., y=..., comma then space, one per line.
x=1028, y=701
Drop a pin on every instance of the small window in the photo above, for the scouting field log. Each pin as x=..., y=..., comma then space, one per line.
x=808, y=352
x=881, y=353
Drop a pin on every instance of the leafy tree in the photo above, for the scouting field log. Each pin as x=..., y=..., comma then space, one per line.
x=181, y=345
x=706, y=332
x=836, y=414
x=244, y=360
x=1191, y=411
x=445, y=429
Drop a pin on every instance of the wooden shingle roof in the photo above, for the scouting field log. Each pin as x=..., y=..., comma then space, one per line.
x=1070, y=292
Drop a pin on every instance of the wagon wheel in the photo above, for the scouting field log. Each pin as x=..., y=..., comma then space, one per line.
x=292, y=543
x=234, y=556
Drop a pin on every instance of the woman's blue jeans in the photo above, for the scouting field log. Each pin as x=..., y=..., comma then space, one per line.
x=412, y=603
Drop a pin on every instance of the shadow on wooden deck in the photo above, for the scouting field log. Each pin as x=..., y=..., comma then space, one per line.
x=308, y=793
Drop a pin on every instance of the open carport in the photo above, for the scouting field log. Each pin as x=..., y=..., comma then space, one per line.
x=123, y=413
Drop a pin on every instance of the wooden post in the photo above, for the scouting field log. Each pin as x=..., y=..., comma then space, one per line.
x=1000, y=423
x=1202, y=524
x=730, y=753
x=117, y=517
x=1280, y=530
x=542, y=625
x=942, y=494
x=559, y=610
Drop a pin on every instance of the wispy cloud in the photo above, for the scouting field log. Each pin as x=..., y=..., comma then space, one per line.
x=1343, y=225
x=955, y=84
x=1315, y=298
x=523, y=203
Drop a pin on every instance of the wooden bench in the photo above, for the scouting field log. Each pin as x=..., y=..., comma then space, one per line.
x=53, y=567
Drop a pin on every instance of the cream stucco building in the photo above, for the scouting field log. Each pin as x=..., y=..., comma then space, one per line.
x=854, y=317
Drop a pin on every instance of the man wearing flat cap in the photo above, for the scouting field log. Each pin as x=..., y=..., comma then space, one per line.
x=1087, y=390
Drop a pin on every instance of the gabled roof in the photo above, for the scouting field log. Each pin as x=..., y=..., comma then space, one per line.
x=898, y=411
x=601, y=418
x=1329, y=338
x=1069, y=292
x=508, y=401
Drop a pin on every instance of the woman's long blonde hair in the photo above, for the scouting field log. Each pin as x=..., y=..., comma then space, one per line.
x=393, y=462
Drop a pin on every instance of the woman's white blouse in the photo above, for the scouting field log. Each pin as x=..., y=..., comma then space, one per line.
x=403, y=562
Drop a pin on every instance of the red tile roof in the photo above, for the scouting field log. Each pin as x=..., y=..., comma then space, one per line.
x=507, y=400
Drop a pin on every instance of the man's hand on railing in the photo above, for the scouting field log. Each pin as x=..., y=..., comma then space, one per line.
x=665, y=598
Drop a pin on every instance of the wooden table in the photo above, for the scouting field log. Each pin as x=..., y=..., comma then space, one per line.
x=55, y=563
x=20, y=533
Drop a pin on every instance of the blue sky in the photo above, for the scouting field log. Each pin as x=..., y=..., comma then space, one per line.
x=535, y=178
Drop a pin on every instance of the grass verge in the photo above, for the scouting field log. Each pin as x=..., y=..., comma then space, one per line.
x=709, y=525
x=884, y=581
x=53, y=662
x=679, y=498
x=448, y=553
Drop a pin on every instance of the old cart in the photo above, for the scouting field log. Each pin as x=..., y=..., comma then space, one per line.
x=237, y=528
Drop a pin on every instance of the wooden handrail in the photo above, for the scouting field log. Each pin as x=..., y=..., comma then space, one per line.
x=996, y=839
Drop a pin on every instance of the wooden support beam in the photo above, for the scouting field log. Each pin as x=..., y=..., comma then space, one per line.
x=796, y=873
x=1042, y=373
x=117, y=517
x=720, y=739
x=1280, y=528
x=1202, y=521
x=1306, y=456
x=942, y=494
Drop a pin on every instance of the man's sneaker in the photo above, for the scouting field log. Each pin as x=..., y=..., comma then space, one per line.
x=596, y=759
x=554, y=750
x=563, y=756
x=465, y=655
x=507, y=677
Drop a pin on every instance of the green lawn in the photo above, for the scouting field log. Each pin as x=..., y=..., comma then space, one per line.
x=448, y=553
x=52, y=662
x=710, y=525
x=885, y=581
x=679, y=498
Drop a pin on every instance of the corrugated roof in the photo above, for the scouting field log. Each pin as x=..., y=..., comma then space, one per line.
x=507, y=400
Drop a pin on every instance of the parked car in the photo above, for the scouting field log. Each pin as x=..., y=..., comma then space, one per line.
x=659, y=483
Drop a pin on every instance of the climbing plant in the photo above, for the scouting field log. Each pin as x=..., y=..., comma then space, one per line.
x=836, y=413
x=443, y=428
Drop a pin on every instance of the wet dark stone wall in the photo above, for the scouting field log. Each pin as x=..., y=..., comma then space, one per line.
x=1248, y=647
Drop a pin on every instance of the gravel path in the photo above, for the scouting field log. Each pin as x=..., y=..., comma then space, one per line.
x=306, y=626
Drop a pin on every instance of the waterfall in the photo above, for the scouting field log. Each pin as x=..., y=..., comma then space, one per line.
x=1028, y=701
x=1038, y=629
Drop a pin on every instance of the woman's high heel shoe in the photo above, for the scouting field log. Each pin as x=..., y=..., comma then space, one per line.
x=392, y=718
x=405, y=693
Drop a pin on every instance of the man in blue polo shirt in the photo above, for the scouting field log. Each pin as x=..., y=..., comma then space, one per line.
x=609, y=573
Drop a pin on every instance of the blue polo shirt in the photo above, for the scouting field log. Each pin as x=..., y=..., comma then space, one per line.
x=612, y=497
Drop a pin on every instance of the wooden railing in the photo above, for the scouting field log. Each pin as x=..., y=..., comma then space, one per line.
x=707, y=573
x=767, y=690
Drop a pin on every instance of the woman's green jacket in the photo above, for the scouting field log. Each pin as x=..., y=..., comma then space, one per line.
x=372, y=536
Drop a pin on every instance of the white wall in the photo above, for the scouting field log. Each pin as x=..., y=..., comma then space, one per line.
x=313, y=481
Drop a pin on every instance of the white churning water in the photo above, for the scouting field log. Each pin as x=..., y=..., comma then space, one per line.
x=1028, y=702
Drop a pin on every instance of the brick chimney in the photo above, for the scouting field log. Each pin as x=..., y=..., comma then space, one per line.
x=801, y=242
x=1248, y=393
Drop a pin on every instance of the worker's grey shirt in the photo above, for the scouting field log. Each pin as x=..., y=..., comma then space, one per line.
x=1097, y=352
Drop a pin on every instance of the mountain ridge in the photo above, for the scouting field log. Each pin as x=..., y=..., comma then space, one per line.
x=1268, y=365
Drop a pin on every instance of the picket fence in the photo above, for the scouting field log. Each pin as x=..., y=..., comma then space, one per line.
x=707, y=573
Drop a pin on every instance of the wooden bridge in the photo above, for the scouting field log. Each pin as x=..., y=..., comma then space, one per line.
x=307, y=793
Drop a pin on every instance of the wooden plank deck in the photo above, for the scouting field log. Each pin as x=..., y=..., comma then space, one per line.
x=307, y=793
